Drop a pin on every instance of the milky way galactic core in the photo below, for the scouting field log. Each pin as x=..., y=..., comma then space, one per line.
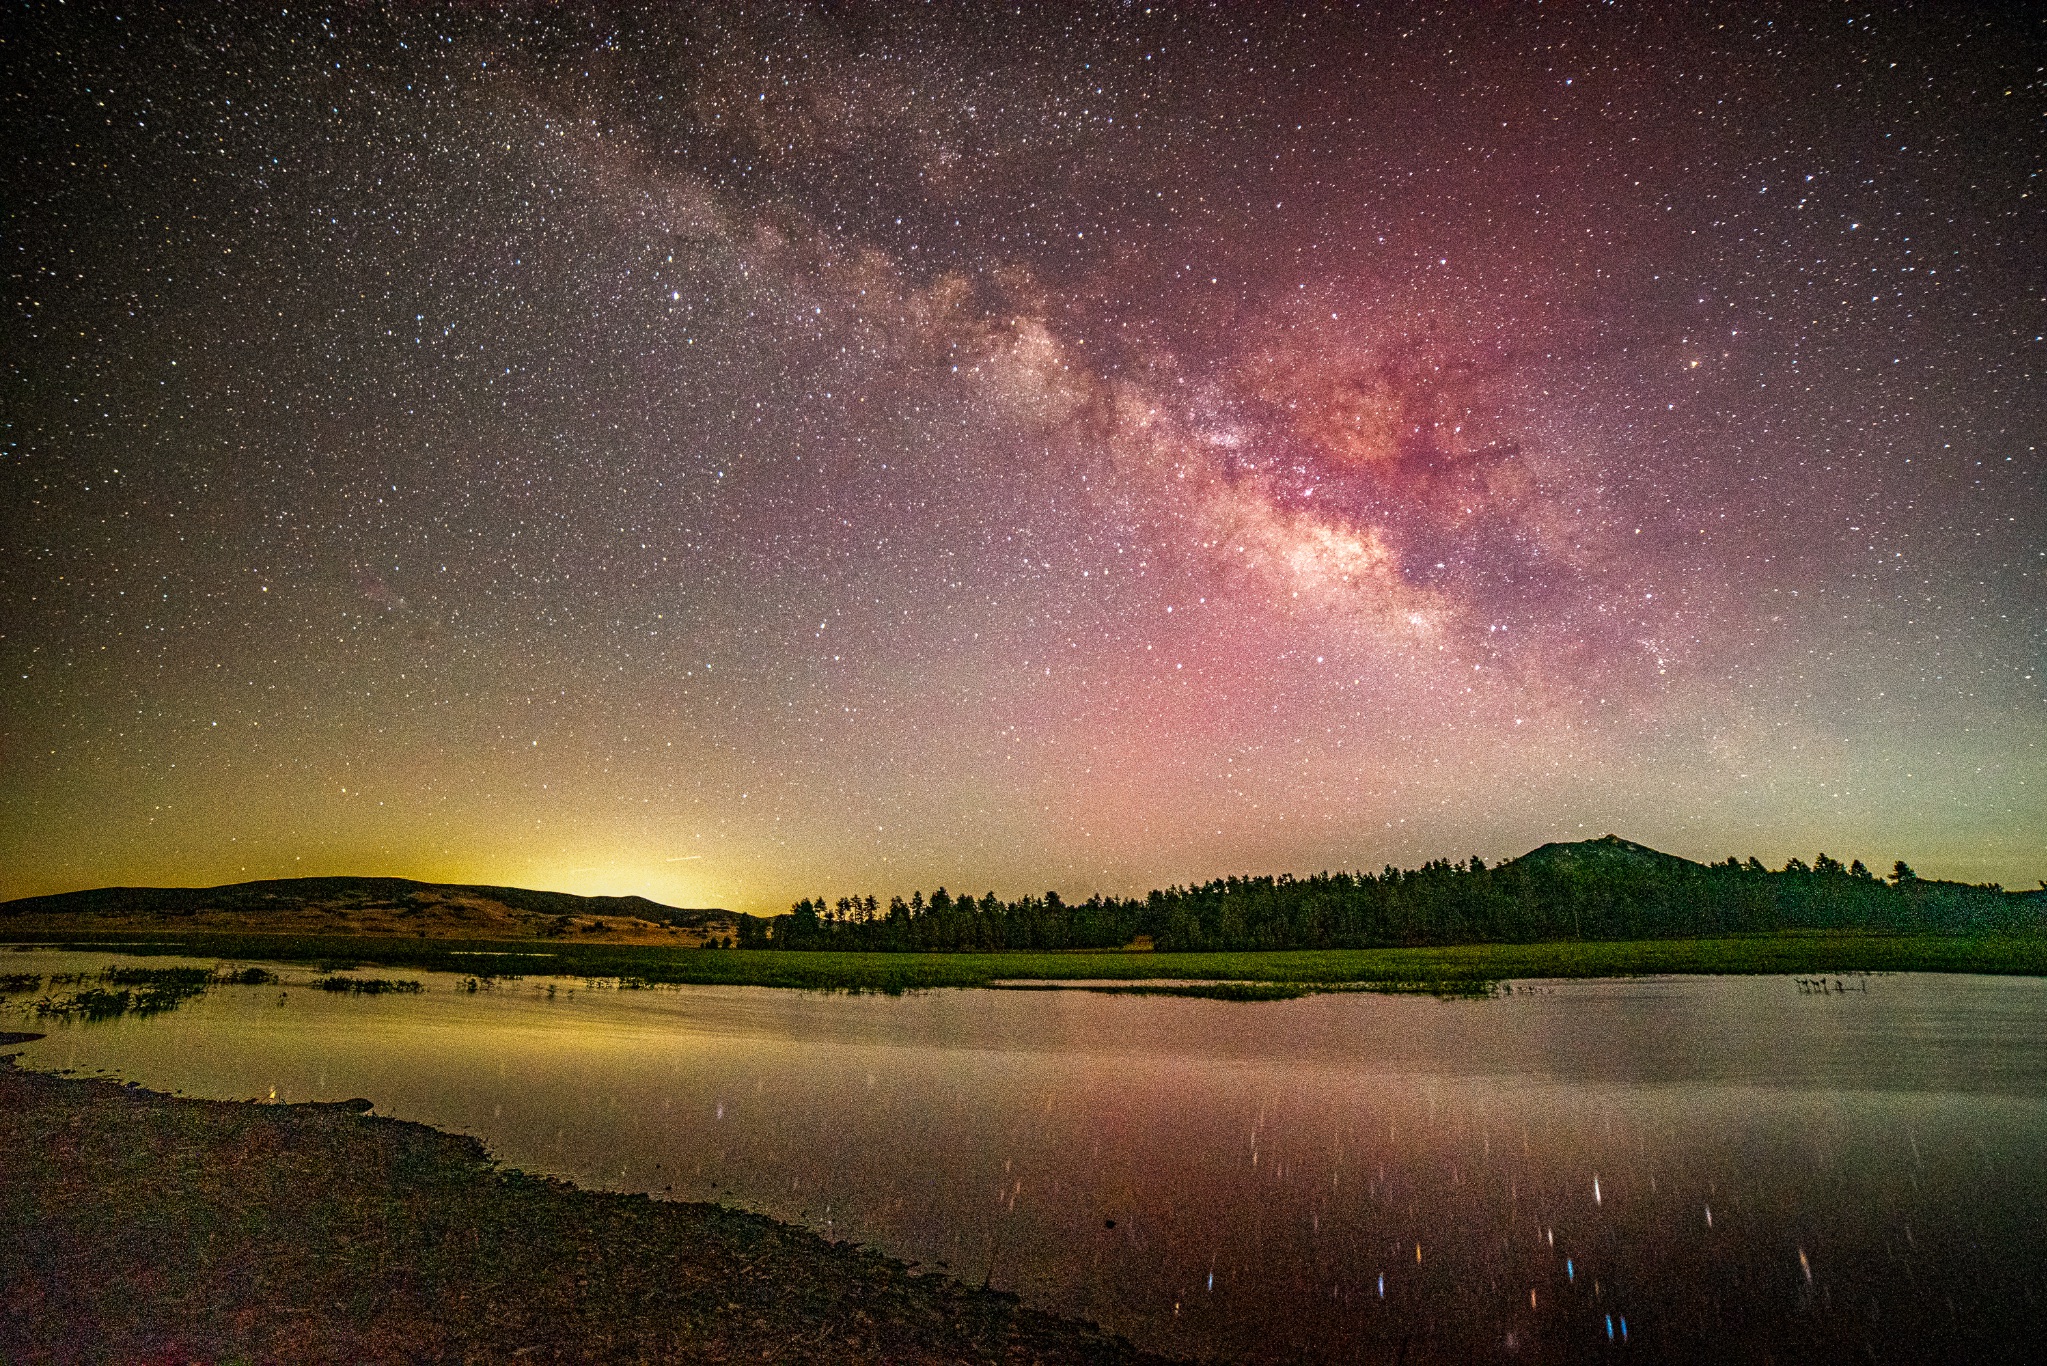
x=736, y=453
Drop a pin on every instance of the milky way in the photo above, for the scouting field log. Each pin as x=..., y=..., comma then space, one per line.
x=738, y=454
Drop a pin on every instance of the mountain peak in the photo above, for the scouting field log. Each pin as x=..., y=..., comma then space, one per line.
x=1607, y=852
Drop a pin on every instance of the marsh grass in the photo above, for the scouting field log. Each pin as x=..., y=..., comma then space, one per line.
x=117, y=991
x=486, y=981
x=19, y=983
x=96, y=1004
x=1460, y=970
x=141, y=991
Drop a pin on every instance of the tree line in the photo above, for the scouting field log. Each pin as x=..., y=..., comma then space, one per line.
x=1632, y=895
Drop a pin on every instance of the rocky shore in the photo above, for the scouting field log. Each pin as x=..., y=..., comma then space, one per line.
x=148, y=1227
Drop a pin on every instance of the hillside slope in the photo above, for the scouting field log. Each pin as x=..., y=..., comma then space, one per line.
x=367, y=906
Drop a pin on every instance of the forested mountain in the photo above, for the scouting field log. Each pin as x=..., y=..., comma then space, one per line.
x=1606, y=888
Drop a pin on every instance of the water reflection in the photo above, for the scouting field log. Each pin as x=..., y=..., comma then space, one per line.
x=1699, y=1168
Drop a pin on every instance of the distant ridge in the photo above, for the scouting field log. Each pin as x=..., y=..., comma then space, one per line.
x=369, y=905
x=1604, y=888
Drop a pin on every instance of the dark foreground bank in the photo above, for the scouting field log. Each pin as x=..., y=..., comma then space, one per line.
x=146, y=1227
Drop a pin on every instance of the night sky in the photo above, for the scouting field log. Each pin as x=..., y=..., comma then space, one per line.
x=736, y=455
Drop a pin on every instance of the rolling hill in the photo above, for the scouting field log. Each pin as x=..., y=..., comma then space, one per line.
x=375, y=906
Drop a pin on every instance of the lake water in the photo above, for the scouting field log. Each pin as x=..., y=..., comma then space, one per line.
x=1683, y=1168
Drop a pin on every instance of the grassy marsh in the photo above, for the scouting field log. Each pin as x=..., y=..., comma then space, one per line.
x=1454, y=970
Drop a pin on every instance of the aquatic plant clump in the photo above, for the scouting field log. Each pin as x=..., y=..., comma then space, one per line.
x=1219, y=991
x=1473, y=988
x=155, y=990
x=141, y=991
x=90, y=1004
x=97, y=1003
x=369, y=986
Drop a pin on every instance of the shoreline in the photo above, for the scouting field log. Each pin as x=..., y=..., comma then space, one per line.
x=161, y=1227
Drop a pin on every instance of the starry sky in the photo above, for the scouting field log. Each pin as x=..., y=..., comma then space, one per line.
x=731, y=454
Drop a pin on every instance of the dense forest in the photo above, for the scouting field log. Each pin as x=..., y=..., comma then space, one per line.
x=1598, y=889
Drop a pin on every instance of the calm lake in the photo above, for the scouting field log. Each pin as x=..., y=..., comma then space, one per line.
x=1683, y=1168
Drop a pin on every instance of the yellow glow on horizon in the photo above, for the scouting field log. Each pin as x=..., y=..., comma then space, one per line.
x=631, y=876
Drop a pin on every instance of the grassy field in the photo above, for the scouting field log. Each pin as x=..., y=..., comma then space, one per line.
x=1451, y=969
